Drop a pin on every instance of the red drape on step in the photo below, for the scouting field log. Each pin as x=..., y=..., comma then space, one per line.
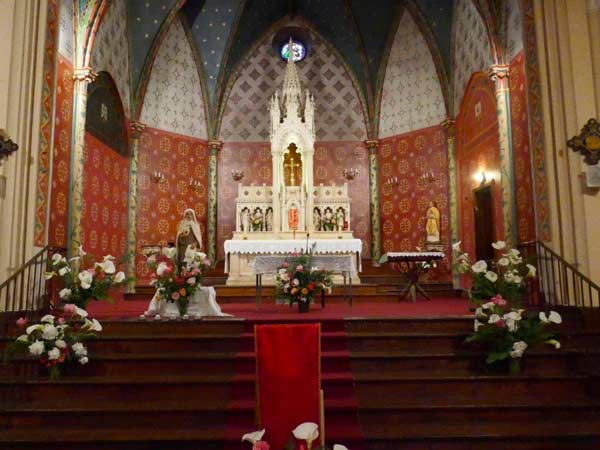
x=288, y=378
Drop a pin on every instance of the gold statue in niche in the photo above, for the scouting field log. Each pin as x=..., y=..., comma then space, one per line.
x=292, y=166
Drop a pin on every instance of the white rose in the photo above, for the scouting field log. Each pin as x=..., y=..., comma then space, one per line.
x=532, y=271
x=295, y=282
x=517, y=279
x=119, y=277
x=83, y=360
x=509, y=276
x=64, y=270
x=504, y=261
x=499, y=245
x=37, y=348
x=50, y=332
x=64, y=293
x=160, y=270
x=78, y=348
x=54, y=354
x=86, y=279
x=518, y=349
x=60, y=343
x=479, y=267
x=491, y=276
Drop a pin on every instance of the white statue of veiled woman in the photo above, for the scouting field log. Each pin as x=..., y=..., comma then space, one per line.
x=188, y=233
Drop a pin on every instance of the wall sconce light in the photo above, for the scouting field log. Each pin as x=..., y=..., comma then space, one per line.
x=429, y=177
x=6, y=146
x=481, y=177
x=157, y=176
x=392, y=181
x=237, y=174
x=349, y=174
x=195, y=184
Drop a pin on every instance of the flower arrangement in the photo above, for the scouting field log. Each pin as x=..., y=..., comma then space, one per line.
x=83, y=279
x=507, y=332
x=500, y=326
x=57, y=341
x=177, y=283
x=506, y=276
x=296, y=281
x=303, y=437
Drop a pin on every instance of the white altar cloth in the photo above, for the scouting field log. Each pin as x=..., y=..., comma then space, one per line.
x=334, y=263
x=287, y=246
x=203, y=304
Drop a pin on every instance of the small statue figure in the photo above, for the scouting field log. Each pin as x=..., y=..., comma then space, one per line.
x=188, y=233
x=316, y=220
x=339, y=220
x=269, y=220
x=245, y=220
x=257, y=220
x=328, y=220
x=432, y=226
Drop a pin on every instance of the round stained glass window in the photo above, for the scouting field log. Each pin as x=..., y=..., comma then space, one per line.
x=298, y=50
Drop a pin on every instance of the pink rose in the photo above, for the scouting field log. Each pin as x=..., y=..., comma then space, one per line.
x=168, y=269
x=61, y=320
x=285, y=265
x=498, y=300
x=500, y=323
x=191, y=281
x=260, y=445
x=195, y=271
x=206, y=262
x=21, y=322
x=175, y=295
x=70, y=308
x=299, y=268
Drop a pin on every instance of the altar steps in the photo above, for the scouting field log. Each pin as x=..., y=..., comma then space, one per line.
x=411, y=383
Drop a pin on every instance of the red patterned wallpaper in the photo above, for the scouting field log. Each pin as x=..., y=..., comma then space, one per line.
x=404, y=206
x=254, y=158
x=161, y=205
x=477, y=150
x=61, y=157
x=105, y=194
x=521, y=150
x=331, y=158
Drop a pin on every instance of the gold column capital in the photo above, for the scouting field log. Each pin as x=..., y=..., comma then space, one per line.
x=499, y=74
x=372, y=145
x=84, y=74
x=449, y=126
x=215, y=145
x=135, y=129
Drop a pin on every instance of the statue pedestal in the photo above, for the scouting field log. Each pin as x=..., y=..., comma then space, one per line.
x=435, y=246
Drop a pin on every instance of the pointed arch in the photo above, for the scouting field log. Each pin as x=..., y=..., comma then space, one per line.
x=412, y=94
x=242, y=63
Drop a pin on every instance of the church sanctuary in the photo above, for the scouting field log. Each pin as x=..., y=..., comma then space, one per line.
x=299, y=225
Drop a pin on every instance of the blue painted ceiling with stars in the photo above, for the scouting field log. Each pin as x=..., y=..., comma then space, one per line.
x=224, y=31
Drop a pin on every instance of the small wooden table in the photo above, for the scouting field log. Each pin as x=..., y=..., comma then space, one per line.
x=411, y=265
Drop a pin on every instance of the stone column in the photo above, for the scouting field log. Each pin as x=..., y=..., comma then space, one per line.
x=135, y=131
x=499, y=74
x=374, y=201
x=449, y=126
x=82, y=77
x=211, y=217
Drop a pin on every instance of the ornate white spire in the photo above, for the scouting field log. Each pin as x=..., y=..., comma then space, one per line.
x=292, y=90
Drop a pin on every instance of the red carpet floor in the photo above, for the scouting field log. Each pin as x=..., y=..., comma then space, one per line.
x=448, y=306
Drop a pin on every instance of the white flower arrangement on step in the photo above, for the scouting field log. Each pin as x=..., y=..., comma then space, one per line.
x=303, y=437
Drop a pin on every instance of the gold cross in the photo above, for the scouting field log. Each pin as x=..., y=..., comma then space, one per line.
x=292, y=165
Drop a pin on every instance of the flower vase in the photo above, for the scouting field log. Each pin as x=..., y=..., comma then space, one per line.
x=182, y=305
x=303, y=305
x=515, y=366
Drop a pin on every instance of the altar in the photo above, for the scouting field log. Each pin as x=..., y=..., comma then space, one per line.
x=278, y=219
x=240, y=254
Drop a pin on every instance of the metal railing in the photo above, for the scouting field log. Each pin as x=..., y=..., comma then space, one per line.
x=561, y=283
x=27, y=290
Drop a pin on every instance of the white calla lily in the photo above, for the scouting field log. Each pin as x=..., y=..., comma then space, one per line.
x=48, y=318
x=108, y=266
x=518, y=349
x=307, y=431
x=49, y=275
x=119, y=277
x=253, y=437
x=81, y=312
x=96, y=325
x=477, y=325
x=169, y=252
x=81, y=252
x=108, y=258
x=31, y=328
x=553, y=317
x=339, y=447
x=487, y=305
x=64, y=293
x=56, y=258
x=500, y=245
x=554, y=343
x=64, y=270
x=23, y=338
x=494, y=318
x=160, y=270
x=532, y=271
x=456, y=246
